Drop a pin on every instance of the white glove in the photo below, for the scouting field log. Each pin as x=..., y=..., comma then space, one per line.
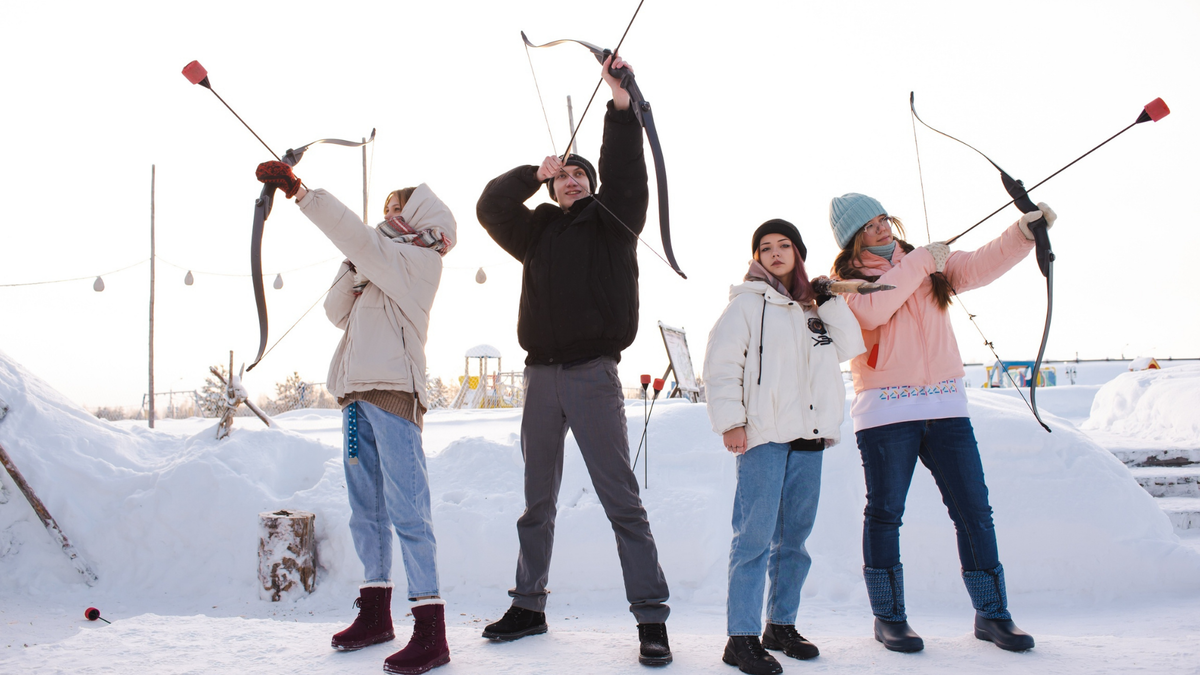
x=1045, y=211
x=940, y=252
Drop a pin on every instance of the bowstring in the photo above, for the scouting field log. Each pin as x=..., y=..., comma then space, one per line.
x=542, y=102
x=297, y=322
x=987, y=343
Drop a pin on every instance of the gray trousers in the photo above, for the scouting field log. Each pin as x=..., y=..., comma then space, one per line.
x=586, y=398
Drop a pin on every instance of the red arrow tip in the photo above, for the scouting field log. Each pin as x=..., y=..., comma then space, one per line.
x=645, y=380
x=658, y=383
x=1157, y=109
x=195, y=73
x=91, y=613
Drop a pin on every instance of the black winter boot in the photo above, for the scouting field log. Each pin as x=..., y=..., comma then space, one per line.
x=517, y=623
x=374, y=622
x=747, y=653
x=885, y=588
x=655, y=650
x=785, y=638
x=992, y=620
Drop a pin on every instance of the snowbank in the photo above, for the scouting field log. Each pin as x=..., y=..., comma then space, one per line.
x=1152, y=405
x=163, y=515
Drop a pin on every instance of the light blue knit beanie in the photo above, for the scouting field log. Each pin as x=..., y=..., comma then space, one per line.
x=848, y=214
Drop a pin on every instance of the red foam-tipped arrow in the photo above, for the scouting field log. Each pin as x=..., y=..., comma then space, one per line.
x=1155, y=110
x=91, y=614
x=645, y=380
x=658, y=383
x=196, y=74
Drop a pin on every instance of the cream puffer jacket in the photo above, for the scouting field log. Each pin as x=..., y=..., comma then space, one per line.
x=386, y=327
x=801, y=393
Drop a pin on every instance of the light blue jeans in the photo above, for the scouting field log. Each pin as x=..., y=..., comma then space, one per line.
x=773, y=512
x=390, y=486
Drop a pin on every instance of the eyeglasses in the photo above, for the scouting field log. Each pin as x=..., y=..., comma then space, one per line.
x=881, y=225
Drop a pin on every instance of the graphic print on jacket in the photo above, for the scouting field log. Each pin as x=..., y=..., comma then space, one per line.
x=822, y=336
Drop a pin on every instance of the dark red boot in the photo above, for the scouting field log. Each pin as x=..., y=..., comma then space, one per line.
x=374, y=622
x=427, y=648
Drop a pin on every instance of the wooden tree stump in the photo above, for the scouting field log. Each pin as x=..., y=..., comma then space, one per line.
x=287, y=554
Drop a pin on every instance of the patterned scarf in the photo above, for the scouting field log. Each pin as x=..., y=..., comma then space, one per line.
x=759, y=273
x=396, y=229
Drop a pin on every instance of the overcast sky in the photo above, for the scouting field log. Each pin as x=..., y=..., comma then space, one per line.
x=765, y=109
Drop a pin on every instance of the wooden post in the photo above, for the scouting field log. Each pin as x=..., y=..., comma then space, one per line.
x=150, y=415
x=89, y=577
x=287, y=554
x=364, y=149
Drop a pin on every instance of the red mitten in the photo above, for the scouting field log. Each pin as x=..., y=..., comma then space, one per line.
x=279, y=175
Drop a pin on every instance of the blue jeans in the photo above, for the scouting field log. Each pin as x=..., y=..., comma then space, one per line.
x=390, y=486
x=947, y=448
x=773, y=512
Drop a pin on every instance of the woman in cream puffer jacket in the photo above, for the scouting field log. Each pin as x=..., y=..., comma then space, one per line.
x=775, y=394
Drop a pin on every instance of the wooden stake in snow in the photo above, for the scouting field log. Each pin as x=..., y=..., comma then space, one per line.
x=39, y=508
x=287, y=554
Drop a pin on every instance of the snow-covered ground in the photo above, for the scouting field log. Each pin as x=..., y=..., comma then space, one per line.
x=168, y=520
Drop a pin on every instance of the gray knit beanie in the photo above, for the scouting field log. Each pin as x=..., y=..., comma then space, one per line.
x=848, y=214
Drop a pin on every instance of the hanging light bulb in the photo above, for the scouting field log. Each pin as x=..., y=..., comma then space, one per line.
x=480, y=277
x=189, y=279
x=99, y=285
x=278, y=282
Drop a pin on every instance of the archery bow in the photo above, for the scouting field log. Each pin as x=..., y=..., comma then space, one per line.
x=1155, y=110
x=196, y=74
x=641, y=110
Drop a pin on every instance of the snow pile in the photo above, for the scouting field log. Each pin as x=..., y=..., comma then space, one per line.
x=1152, y=405
x=161, y=515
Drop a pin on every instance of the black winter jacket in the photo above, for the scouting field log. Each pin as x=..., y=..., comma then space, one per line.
x=579, y=287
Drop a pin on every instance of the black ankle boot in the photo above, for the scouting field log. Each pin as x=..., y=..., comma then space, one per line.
x=516, y=623
x=898, y=636
x=785, y=638
x=747, y=653
x=1003, y=633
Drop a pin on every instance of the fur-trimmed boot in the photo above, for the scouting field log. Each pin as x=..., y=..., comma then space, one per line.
x=992, y=620
x=374, y=622
x=885, y=588
x=427, y=647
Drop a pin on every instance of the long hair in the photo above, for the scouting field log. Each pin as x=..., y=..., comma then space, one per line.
x=848, y=264
x=403, y=194
x=802, y=289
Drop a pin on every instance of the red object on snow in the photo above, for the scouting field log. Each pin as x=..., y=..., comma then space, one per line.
x=658, y=383
x=1157, y=109
x=91, y=613
x=645, y=381
x=195, y=73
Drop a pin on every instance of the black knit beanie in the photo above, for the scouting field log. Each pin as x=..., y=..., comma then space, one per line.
x=779, y=226
x=576, y=160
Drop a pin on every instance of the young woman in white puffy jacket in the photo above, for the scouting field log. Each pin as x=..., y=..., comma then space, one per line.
x=775, y=394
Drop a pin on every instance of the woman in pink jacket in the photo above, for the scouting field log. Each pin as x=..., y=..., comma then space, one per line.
x=910, y=404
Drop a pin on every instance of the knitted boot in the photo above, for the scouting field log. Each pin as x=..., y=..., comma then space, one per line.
x=374, y=622
x=885, y=588
x=427, y=648
x=992, y=620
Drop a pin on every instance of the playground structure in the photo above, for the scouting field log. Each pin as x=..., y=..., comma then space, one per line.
x=488, y=388
x=1021, y=373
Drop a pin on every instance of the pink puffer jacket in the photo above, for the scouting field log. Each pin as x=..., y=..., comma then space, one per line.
x=909, y=340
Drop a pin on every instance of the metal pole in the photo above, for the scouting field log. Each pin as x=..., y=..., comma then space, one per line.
x=571, y=121
x=150, y=416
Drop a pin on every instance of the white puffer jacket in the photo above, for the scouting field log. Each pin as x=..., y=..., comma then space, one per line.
x=386, y=327
x=801, y=393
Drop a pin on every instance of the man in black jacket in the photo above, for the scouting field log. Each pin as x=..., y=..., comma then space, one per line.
x=579, y=309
